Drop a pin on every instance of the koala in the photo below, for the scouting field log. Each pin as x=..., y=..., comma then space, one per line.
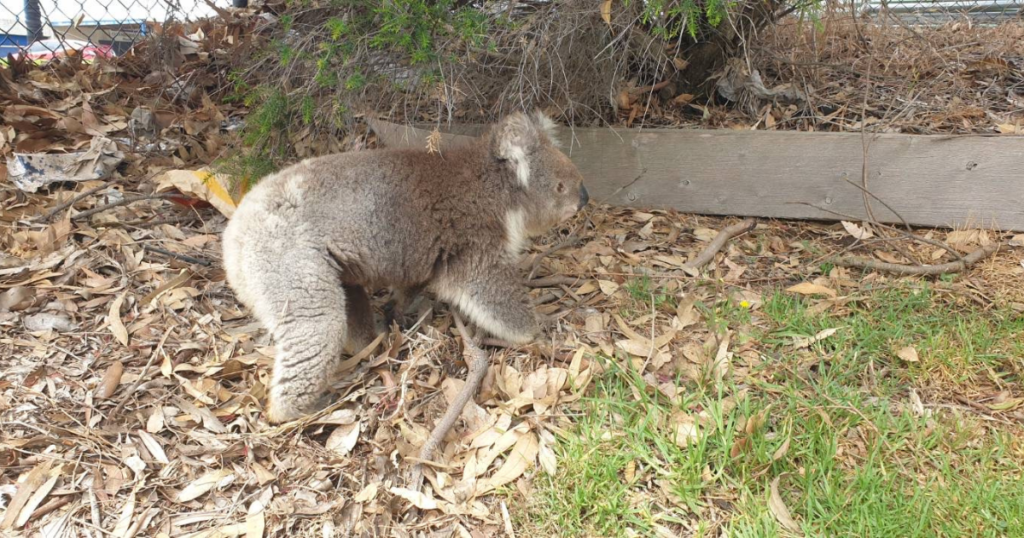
x=307, y=243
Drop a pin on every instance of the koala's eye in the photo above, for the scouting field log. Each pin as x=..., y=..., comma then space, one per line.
x=560, y=188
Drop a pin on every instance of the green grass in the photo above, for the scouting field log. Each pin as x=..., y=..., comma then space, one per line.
x=860, y=460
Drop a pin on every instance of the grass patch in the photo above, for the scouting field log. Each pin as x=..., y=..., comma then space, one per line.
x=834, y=424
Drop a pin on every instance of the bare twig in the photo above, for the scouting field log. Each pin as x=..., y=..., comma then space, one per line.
x=75, y=199
x=175, y=255
x=123, y=201
x=951, y=267
x=51, y=506
x=904, y=233
x=144, y=376
x=562, y=245
x=552, y=281
x=718, y=242
x=478, y=361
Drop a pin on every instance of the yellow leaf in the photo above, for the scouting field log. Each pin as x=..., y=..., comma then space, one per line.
x=606, y=12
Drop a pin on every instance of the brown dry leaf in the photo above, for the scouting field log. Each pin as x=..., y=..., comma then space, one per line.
x=808, y=288
x=368, y=493
x=608, y=287
x=111, y=379
x=155, y=422
x=255, y=520
x=780, y=511
x=804, y=342
x=782, y=450
x=38, y=496
x=908, y=354
x=124, y=521
x=154, y=447
x=343, y=439
x=434, y=141
x=114, y=320
x=856, y=231
x=548, y=460
x=418, y=499
x=1009, y=128
x=202, y=485
x=888, y=258
x=633, y=347
x=687, y=431
x=16, y=298
x=723, y=358
x=685, y=313
x=522, y=456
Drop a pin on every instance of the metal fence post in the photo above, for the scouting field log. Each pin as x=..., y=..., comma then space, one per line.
x=33, y=20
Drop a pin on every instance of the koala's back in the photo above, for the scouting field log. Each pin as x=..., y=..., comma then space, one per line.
x=384, y=216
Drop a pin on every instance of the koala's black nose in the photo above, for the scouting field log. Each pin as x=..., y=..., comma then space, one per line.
x=584, y=197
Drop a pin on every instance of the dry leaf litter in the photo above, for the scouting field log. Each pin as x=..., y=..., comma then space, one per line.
x=132, y=383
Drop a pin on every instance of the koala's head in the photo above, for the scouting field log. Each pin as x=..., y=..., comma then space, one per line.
x=552, y=183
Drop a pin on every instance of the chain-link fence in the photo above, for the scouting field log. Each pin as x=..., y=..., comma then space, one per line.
x=942, y=11
x=42, y=29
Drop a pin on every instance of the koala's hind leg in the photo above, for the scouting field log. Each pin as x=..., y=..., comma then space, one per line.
x=302, y=304
x=361, y=327
x=495, y=299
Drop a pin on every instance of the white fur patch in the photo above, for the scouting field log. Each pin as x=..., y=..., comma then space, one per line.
x=515, y=232
x=295, y=188
x=479, y=315
x=547, y=125
x=518, y=156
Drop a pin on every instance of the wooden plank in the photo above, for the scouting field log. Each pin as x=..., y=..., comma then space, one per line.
x=939, y=181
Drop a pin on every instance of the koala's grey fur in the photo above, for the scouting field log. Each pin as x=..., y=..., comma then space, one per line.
x=305, y=244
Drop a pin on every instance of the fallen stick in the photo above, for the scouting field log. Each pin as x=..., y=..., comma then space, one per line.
x=175, y=255
x=75, y=199
x=478, y=362
x=951, y=267
x=552, y=281
x=718, y=242
x=123, y=201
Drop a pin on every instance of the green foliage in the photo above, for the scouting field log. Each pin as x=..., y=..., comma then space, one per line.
x=669, y=19
x=337, y=28
x=355, y=82
x=414, y=26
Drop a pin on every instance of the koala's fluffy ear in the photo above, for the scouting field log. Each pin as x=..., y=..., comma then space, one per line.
x=546, y=125
x=514, y=139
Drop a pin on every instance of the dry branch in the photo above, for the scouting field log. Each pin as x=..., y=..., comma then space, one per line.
x=552, y=281
x=951, y=267
x=478, y=361
x=718, y=242
x=124, y=201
